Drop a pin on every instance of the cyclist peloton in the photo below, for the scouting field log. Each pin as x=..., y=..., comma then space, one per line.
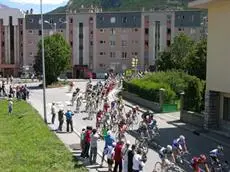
x=166, y=154
x=179, y=146
x=197, y=161
x=215, y=154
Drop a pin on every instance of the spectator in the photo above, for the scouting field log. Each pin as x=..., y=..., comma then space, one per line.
x=93, y=146
x=130, y=158
x=109, y=139
x=10, y=106
x=82, y=141
x=87, y=142
x=60, y=118
x=124, y=151
x=53, y=112
x=118, y=156
x=110, y=156
x=138, y=164
x=69, y=122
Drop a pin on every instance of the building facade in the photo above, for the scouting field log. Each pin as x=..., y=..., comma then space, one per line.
x=217, y=86
x=104, y=40
x=11, y=37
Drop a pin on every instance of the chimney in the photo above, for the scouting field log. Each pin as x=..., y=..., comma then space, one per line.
x=31, y=11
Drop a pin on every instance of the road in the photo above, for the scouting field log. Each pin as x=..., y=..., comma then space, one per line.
x=196, y=144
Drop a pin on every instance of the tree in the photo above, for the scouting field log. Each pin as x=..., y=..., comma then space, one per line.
x=185, y=54
x=57, y=57
x=196, y=60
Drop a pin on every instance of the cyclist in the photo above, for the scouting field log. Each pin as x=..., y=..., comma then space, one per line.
x=166, y=154
x=216, y=153
x=113, y=105
x=98, y=118
x=71, y=85
x=145, y=115
x=122, y=126
x=197, y=161
x=106, y=105
x=179, y=146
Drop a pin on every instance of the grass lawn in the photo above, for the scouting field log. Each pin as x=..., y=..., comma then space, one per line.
x=27, y=145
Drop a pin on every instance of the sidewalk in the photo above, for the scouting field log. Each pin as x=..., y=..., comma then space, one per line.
x=174, y=119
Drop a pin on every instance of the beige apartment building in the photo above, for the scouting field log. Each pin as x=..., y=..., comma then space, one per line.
x=11, y=40
x=101, y=40
x=218, y=61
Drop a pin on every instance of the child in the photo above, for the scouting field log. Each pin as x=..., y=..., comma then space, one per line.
x=10, y=106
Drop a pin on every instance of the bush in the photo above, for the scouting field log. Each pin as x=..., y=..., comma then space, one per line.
x=174, y=82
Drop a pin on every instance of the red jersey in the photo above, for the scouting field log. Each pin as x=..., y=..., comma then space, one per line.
x=87, y=136
x=118, y=154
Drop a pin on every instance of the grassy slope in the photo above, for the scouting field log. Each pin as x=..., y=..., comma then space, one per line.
x=129, y=5
x=27, y=145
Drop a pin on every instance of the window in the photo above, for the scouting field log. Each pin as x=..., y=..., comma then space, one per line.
x=168, y=30
x=91, y=32
x=91, y=42
x=112, y=20
x=146, y=44
x=124, y=19
x=102, y=18
x=112, y=43
x=30, y=42
x=113, y=32
x=3, y=43
x=51, y=20
x=102, y=53
x=71, y=43
x=21, y=32
x=91, y=19
x=3, y=33
x=101, y=30
x=134, y=19
x=30, y=31
x=39, y=32
x=146, y=31
x=124, y=55
x=21, y=22
x=71, y=32
x=226, y=112
x=124, y=43
x=102, y=42
x=135, y=29
x=71, y=20
x=112, y=54
x=168, y=43
x=61, y=30
x=31, y=20
x=31, y=54
x=136, y=53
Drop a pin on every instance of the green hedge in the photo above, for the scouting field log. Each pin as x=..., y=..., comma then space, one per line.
x=174, y=82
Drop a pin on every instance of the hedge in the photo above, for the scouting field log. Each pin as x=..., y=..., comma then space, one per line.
x=174, y=82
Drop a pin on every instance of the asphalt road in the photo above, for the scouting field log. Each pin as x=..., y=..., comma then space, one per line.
x=197, y=144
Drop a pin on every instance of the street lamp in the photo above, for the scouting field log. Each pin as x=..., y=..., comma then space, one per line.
x=135, y=63
x=43, y=64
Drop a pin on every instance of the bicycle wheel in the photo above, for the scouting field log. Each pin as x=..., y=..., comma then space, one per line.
x=158, y=167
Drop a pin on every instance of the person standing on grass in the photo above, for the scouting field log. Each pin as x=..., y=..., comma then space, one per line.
x=60, y=118
x=93, y=146
x=53, y=112
x=10, y=105
x=69, y=122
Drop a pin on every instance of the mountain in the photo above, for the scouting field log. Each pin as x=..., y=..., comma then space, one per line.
x=123, y=5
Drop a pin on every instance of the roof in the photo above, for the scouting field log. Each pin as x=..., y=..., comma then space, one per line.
x=3, y=6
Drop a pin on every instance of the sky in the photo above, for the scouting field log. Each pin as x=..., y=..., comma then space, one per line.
x=48, y=5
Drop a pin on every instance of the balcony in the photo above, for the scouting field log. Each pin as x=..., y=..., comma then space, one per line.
x=199, y=3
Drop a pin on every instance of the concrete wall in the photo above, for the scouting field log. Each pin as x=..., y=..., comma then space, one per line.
x=192, y=118
x=140, y=101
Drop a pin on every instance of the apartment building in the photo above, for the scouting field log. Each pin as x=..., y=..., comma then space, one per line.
x=100, y=40
x=11, y=40
x=190, y=23
x=32, y=33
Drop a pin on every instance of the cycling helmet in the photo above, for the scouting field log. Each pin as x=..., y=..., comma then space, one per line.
x=220, y=148
x=203, y=157
x=109, y=133
x=182, y=137
x=169, y=148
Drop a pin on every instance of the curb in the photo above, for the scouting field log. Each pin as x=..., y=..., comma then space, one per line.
x=191, y=130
